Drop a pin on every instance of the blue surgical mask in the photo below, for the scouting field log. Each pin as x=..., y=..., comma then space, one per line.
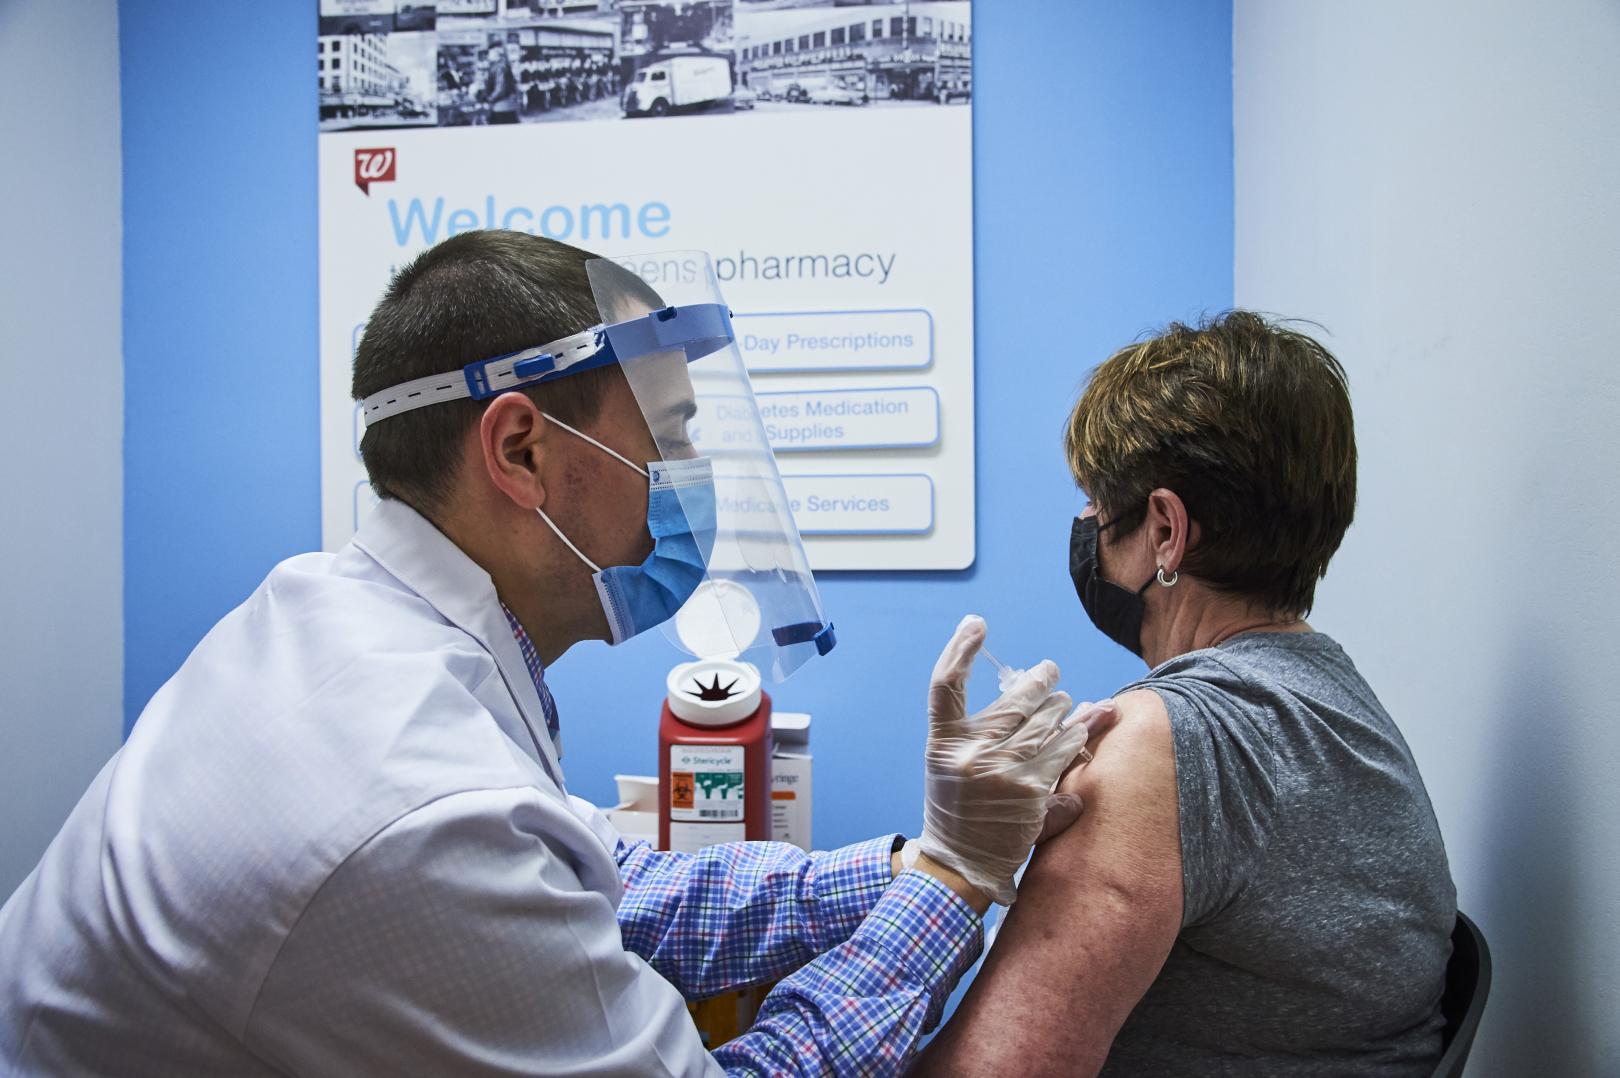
x=681, y=519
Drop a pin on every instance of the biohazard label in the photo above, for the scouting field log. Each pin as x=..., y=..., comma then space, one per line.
x=706, y=783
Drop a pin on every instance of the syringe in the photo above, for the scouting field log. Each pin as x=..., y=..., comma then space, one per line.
x=1008, y=675
x=1005, y=674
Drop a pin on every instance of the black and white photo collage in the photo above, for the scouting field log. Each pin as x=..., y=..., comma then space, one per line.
x=452, y=63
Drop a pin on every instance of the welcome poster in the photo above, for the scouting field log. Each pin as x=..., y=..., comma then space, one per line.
x=821, y=152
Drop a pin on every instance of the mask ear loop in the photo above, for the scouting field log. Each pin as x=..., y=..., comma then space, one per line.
x=567, y=541
x=638, y=469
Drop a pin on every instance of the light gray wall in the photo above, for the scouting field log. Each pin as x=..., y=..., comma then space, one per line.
x=61, y=416
x=1438, y=184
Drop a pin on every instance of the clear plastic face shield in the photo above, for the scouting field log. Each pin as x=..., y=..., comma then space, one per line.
x=670, y=332
x=728, y=577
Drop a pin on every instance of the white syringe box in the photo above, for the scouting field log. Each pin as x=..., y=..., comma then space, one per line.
x=791, y=800
x=636, y=814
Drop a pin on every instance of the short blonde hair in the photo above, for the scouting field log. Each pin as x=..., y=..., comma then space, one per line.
x=1250, y=424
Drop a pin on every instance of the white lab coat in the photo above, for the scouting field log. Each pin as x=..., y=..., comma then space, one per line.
x=338, y=842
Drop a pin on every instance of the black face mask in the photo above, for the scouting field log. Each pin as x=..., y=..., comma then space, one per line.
x=1114, y=610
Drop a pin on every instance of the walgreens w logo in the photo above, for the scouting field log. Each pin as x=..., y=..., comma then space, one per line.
x=373, y=166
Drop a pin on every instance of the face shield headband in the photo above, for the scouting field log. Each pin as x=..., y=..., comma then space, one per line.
x=697, y=329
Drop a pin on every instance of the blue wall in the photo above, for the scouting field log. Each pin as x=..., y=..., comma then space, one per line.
x=221, y=446
x=1103, y=162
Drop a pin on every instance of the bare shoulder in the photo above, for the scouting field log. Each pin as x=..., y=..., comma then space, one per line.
x=1129, y=833
x=1135, y=752
x=1141, y=706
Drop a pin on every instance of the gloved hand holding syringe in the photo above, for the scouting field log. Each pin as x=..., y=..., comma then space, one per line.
x=991, y=775
x=1007, y=677
x=1096, y=718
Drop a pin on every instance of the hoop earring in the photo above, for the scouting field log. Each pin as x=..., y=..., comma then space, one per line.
x=1163, y=583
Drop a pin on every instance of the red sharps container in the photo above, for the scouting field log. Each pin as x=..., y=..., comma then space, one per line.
x=714, y=756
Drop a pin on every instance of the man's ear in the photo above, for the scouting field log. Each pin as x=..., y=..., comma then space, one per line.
x=513, y=437
x=1169, y=529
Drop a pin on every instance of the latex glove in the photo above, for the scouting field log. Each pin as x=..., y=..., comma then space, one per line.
x=989, y=774
x=1063, y=809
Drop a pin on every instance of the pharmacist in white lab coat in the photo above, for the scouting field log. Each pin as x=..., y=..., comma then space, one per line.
x=338, y=840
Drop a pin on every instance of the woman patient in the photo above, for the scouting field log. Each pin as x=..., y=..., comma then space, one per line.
x=1258, y=885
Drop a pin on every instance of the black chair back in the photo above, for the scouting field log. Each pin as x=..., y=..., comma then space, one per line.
x=1468, y=983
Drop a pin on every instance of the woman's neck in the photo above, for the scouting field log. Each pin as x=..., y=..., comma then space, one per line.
x=1205, y=619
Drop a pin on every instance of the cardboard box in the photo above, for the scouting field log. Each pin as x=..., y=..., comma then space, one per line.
x=636, y=814
x=791, y=800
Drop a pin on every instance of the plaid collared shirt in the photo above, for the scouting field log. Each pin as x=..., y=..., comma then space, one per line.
x=537, y=671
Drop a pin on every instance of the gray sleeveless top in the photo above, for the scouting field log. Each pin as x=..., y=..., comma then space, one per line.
x=1319, y=904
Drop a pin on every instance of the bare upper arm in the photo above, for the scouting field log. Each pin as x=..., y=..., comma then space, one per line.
x=1097, y=912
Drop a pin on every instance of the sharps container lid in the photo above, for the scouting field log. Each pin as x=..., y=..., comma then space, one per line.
x=713, y=692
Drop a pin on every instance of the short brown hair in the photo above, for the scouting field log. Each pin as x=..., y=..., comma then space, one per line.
x=477, y=295
x=1249, y=423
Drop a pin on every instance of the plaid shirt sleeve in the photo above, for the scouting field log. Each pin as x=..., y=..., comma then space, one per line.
x=742, y=913
x=739, y=913
x=860, y=1008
